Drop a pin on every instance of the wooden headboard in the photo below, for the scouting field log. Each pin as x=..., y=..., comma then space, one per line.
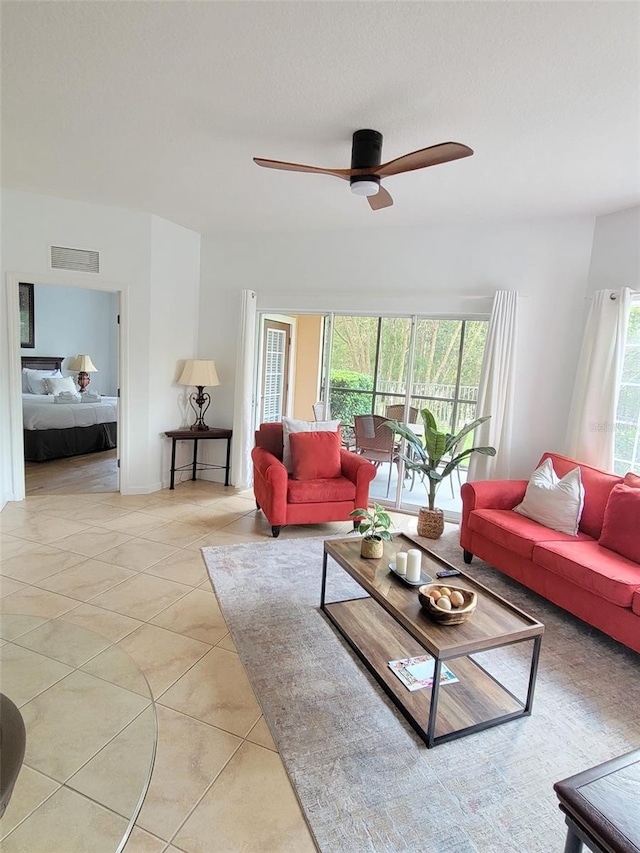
x=43, y=362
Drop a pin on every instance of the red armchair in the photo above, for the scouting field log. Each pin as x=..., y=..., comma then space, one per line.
x=285, y=500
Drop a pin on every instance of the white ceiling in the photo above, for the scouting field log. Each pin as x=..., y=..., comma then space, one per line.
x=160, y=106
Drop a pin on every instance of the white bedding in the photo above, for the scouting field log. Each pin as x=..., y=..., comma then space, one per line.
x=40, y=412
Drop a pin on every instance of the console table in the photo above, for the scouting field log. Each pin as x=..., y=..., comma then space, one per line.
x=195, y=436
x=601, y=806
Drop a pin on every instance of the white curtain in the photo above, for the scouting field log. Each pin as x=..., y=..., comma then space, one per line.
x=590, y=434
x=496, y=391
x=243, y=421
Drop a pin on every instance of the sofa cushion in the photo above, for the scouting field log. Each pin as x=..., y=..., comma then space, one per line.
x=552, y=501
x=597, y=485
x=635, y=604
x=320, y=491
x=592, y=567
x=631, y=479
x=513, y=531
x=315, y=455
x=291, y=425
x=621, y=525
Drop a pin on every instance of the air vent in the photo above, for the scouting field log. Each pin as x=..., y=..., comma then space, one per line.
x=79, y=260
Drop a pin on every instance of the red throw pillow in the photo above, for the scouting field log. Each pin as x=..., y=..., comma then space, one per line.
x=315, y=455
x=622, y=522
x=632, y=480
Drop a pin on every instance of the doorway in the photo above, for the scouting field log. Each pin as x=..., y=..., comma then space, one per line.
x=71, y=448
x=65, y=348
x=275, y=371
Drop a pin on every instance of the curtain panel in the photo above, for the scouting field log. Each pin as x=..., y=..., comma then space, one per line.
x=591, y=427
x=243, y=420
x=496, y=391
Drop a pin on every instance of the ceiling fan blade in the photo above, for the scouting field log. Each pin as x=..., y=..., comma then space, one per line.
x=380, y=199
x=297, y=167
x=431, y=156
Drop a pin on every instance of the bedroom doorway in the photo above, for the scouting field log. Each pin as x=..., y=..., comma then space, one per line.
x=70, y=445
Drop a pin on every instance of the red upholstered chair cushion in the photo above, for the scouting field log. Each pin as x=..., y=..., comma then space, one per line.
x=315, y=455
x=632, y=480
x=334, y=490
x=621, y=525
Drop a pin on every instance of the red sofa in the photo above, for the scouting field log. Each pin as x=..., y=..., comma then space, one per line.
x=577, y=573
x=284, y=500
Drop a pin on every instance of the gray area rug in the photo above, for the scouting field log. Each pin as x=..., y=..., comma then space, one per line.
x=365, y=780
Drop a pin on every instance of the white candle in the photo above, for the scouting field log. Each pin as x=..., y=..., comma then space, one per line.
x=401, y=563
x=414, y=563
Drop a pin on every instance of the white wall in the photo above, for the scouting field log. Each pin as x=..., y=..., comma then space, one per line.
x=615, y=257
x=175, y=285
x=31, y=223
x=441, y=271
x=70, y=320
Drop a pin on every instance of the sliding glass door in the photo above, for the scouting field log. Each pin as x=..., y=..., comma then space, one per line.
x=411, y=362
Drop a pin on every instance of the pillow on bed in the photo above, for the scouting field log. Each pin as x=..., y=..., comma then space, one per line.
x=56, y=385
x=33, y=380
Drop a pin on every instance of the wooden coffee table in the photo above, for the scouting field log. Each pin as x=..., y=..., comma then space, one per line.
x=390, y=625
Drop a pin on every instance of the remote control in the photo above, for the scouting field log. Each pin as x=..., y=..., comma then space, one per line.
x=447, y=573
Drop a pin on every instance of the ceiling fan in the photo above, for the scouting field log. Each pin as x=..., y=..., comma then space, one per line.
x=366, y=169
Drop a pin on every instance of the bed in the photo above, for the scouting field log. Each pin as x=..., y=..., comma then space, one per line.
x=55, y=431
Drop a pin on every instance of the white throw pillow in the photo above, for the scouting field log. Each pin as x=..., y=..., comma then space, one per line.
x=556, y=503
x=33, y=380
x=290, y=425
x=56, y=385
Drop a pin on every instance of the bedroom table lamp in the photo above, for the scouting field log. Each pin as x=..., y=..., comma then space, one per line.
x=83, y=365
x=201, y=373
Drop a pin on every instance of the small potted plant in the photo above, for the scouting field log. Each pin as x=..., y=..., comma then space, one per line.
x=434, y=457
x=374, y=526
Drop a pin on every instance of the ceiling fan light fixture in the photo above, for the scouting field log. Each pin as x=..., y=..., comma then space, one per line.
x=368, y=186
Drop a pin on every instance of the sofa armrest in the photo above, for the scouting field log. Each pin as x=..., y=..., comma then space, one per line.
x=270, y=482
x=361, y=472
x=488, y=494
x=356, y=467
x=269, y=466
x=493, y=494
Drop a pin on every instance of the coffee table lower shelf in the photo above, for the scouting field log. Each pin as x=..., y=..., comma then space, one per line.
x=474, y=703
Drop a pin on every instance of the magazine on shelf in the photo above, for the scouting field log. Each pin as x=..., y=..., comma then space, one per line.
x=417, y=673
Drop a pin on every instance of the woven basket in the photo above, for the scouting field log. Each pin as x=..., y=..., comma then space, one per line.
x=372, y=549
x=430, y=523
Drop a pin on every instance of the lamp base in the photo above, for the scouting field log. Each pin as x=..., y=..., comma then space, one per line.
x=200, y=402
x=83, y=381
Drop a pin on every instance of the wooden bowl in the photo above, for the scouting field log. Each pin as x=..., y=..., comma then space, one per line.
x=447, y=617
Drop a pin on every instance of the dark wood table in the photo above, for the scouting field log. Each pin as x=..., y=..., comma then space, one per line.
x=602, y=806
x=195, y=436
x=391, y=625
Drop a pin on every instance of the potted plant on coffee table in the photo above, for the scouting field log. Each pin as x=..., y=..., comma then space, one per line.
x=435, y=456
x=374, y=526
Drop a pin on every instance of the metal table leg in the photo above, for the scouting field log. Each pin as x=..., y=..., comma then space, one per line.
x=173, y=462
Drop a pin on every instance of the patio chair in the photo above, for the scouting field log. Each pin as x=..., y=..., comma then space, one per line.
x=376, y=442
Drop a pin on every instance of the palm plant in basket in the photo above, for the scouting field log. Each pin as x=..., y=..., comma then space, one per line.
x=374, y=526
x=435, y=456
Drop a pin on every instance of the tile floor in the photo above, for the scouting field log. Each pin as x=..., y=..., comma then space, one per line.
x=130, y=569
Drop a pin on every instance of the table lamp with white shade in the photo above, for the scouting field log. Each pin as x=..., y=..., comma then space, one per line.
x=201, y=373
x=83, y=366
